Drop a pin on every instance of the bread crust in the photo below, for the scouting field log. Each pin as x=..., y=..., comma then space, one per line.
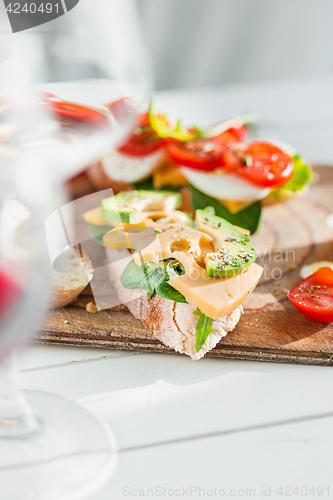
x=61, y=297
x=173, y=323
x=62, y=290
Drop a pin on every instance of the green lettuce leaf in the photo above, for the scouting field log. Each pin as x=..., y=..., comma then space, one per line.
x=204, y=328
x=248, y=218
x=302, y=177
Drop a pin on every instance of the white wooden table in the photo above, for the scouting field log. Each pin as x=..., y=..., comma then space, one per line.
x=228, y=427
x=215, y=423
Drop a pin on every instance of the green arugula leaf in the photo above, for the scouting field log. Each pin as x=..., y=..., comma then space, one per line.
x=176, y=266
x=155, y=275
x=248, y=218
x=151, y=277
x=302, y=177
x=204, y=328
x=166, y=291
x=146, y=277
x=97, y=233
x=134, y=276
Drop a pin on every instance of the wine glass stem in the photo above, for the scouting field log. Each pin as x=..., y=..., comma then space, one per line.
x=16, y=416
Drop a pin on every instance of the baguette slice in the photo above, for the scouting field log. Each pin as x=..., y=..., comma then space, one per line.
x=66, y=286
x=173, y=323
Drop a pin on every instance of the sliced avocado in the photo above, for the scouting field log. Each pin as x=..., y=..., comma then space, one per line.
x=123, y=206
x=233, y=251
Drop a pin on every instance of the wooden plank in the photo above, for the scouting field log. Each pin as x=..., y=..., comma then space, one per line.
x=292, y=234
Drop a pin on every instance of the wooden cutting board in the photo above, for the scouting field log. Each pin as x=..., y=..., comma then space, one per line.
x=292, y=234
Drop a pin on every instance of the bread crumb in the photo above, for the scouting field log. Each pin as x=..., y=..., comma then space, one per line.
x=293, y=266
x=65, y=322
x=92, y=308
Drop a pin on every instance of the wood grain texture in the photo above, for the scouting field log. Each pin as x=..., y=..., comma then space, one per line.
x=291, y=235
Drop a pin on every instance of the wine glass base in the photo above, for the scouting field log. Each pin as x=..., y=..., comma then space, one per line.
x=71, y=453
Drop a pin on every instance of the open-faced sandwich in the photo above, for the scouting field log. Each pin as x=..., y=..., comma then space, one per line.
x=220, y=167
x=184, y=279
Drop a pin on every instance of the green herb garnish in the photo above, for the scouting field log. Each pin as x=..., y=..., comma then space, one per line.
x=153, y=278
x=204, y=328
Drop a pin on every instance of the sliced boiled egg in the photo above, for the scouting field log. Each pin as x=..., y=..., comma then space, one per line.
x=306, y=271
x=130, y=169
x=224, y=185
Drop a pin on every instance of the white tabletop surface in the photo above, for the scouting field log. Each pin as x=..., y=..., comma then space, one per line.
x=224, y=424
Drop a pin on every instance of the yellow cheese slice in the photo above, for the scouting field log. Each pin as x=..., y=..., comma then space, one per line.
x=169, y=175
x=183, y=244
x=235, y=206
x=215, y=297
x=94, y=217
x=159, y=219
x=130, y=236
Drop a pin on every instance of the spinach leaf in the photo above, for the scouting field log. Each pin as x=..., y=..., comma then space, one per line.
x=204, y=328
x=97, y=233
x=148, y=185
x=248, y=218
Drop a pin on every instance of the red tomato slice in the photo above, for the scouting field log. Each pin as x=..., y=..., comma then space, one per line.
x=262, y=163
x=314, y=297
x=143, y=140
x=76, y=111
x=123, y=109
x=59, y=107
x=233, y=135
x=71, y=110
x=202, y=154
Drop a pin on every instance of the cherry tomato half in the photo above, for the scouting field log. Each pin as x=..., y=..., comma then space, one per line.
x=314, y=297
x=202, y=154
x=143, y=140
x=262, y=163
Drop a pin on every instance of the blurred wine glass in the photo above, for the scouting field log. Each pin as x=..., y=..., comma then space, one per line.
x=53, y=123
